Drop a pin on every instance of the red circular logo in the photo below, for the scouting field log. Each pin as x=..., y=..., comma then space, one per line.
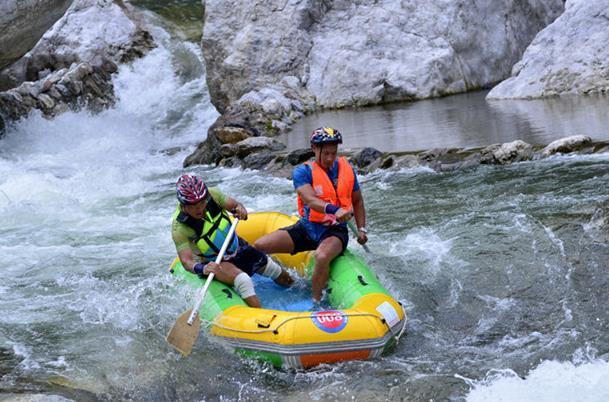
x=331, y=321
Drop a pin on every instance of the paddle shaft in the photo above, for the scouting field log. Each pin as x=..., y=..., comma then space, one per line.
x=203, y=290
x=356, y=233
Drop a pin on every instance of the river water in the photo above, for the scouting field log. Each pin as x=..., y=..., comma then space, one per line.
x=463, y=121
x=502, y=269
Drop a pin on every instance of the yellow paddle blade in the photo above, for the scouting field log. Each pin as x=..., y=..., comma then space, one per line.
x=183, y=336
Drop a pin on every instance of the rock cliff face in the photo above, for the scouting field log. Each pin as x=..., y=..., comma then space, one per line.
x=270, y=62
x=367, y=52
x=570, y=56
x=71, y=65
x=91, y=31
x=23, y=22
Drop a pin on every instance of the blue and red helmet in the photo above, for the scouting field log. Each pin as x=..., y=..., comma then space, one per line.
x=191, y=189
x=326, y=135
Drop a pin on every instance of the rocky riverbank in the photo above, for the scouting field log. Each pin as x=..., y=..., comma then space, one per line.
x=361, y=53
x=269, y=156
x=270, y=65
x=72, y=64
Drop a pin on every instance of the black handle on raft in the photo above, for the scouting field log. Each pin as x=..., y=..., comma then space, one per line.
x=228, y=293
x=362, y=281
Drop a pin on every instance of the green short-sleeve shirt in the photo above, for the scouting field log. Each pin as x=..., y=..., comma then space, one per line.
x=184, y=236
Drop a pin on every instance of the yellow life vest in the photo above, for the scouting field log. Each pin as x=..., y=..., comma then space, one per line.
x=210, y=231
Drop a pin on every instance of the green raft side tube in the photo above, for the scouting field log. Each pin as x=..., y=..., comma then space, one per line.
x=219, y=296
x=269, y=357
x=350, y=279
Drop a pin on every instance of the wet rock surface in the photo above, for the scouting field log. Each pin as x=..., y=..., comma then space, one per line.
x=566, y=145
x=366, y=156
x=366, y=52
x=502, y=154
x=83, y=85
x=270, y=63
x=570, y=56
x=261, y=154
x=72, y=65
x=22, y=24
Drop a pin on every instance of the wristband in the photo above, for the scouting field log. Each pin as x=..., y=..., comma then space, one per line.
x=198, y=268
x=362, y=229
x=331, y=209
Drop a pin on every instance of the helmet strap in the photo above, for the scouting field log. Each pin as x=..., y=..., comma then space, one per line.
x=321, y=148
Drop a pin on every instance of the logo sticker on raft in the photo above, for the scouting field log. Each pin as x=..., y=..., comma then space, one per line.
x=330, y=321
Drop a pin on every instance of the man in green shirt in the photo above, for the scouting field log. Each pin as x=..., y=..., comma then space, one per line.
x=200, y=225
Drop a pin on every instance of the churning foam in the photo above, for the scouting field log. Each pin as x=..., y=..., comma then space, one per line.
x=551, y=381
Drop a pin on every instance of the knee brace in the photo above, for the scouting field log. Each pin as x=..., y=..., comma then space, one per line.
x=272, y=269
x=244, y=285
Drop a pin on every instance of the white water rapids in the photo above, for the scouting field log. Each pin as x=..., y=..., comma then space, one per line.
x=503, y=268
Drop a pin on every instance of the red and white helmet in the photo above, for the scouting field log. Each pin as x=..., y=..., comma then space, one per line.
x=190, y=189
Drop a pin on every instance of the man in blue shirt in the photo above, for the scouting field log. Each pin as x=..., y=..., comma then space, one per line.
x=328, y=196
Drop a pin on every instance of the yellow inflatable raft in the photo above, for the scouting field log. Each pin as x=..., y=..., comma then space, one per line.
x=365, y=320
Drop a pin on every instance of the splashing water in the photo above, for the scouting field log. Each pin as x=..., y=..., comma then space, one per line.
x=502, y=269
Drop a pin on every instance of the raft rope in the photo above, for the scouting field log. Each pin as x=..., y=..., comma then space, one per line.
x=397, y=338
x=299, y=317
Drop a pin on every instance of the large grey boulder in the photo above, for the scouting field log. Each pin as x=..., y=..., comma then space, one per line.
x=566, y=145
x=366, y=156
x=570, y=56
x=270, y=62
x=366, y=52
x=71, y=66
x=266, y=112
x=91, y=31
x=258, y=160
x=22, y=24
x=506, y=153
x=251, y=145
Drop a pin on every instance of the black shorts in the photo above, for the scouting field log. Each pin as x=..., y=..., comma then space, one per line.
x=303, y=242
x=248, y=259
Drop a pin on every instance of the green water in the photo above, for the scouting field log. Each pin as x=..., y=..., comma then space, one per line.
x=503, y=269
x=186, y=15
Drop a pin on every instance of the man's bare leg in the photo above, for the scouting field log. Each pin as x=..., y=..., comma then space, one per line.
x=327, y=250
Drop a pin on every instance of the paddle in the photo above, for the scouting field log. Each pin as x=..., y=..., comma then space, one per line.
x=356, y=233
x=185, y=331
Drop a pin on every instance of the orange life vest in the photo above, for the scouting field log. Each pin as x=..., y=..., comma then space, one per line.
x=324, y=190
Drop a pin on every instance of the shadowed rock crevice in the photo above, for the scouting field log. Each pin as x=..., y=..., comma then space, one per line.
x=72, y=65
x=22, y=24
